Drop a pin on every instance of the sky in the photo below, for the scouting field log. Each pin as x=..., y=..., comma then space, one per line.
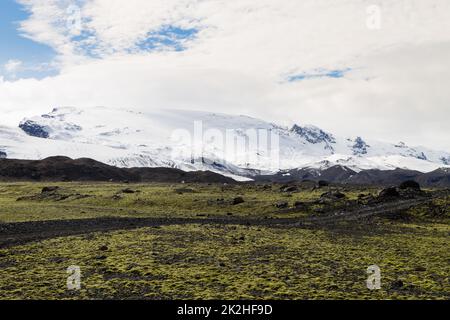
x=373, y=68
x=19, y=56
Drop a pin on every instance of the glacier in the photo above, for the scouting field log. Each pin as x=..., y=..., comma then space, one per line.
x=127, y=138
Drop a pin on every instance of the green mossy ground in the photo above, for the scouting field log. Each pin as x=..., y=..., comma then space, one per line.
x=154, y=200
x=215, y=261
x=87, y=200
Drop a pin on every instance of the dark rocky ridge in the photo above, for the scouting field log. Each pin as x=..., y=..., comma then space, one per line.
x=383, y=177
x=66, y=169
x=84, y=169
x=342, y=175
x=438, y=178
x=335, y=174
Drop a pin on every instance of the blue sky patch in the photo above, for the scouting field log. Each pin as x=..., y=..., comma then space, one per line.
x=168, y=37
x=86, y=44
x=21, y=57
x=319, y=73
x=35, y=57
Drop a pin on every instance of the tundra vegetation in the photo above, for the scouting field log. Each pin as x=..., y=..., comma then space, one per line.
x=218, y=241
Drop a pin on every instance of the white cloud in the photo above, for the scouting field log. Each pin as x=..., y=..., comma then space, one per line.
x=241, y=57
x=12, y=66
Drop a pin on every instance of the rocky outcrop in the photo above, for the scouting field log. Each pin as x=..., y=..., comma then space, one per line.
x=34, y=129
x=446, y=161
x=409, y=184
x=360, y=147
x=315, y=135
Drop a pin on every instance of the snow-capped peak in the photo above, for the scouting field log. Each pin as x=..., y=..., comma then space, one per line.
x=127, y=139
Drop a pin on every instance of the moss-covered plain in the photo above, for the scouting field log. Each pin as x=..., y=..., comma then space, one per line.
x=231, y=262
x=220, y=261
x=92, y=200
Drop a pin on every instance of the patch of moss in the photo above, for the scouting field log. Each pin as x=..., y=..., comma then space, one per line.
x=231, y=262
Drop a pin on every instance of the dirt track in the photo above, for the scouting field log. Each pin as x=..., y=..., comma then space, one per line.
x=22, y=232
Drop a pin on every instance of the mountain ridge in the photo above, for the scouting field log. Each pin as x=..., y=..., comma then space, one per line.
x=127, y=139
x=64, y=169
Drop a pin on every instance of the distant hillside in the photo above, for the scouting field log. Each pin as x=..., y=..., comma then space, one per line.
x=67, y=169
x=338, y=174
x=84, y=169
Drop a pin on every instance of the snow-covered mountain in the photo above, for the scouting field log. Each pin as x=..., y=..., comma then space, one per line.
x=192, y=140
